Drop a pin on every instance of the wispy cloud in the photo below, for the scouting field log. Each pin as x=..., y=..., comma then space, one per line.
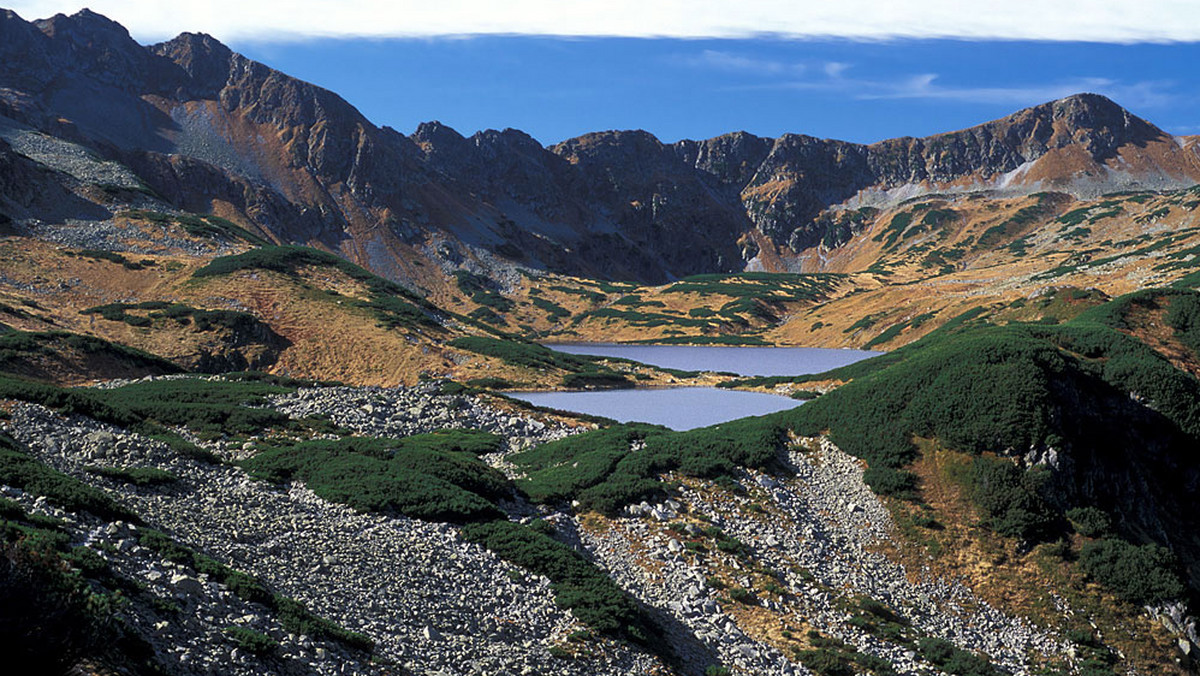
x=832, y=78
x=1119, y=21
x=730, y=61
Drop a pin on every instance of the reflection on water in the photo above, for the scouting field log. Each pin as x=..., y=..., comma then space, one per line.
x=680, y=408
x=745, y=361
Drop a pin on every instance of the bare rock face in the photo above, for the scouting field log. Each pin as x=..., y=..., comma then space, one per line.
x=203, y=125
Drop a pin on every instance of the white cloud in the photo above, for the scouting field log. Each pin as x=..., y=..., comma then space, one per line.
x=1097, y=20
x=832, y=79
x=730, y=61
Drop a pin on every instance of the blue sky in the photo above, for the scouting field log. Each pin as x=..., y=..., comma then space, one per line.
x=859, y=70
x=556, y=88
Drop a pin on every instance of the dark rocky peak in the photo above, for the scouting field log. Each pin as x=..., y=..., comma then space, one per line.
x=84, y=26
x=730, y=158
x=204, y=58
x=437, y=139
x=625, y=158
x=99, y=47
x=25, y=59
x=508, y=140
x=603, y=145
x=1100, y=124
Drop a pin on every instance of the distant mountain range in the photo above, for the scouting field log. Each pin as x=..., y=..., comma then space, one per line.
x=211, y=131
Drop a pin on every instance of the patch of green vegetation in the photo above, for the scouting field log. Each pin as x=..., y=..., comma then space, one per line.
x=596, y=381
x=113, y=257
x=1142, y=575
x=59, y=602
x=554, y=311
x=1009, y=498
x=20, y=348
x=436, y=477
x=491, y=383
x=894, y=330
x=864, y=323
x=204, y=320
x=1019, y=221
x=981, y=388
x=138, y=476
x=1075, y=234
x=253, y=642
x=579, y=585
x=1090, y=522
x=599, y=470
x=486, y=314
x=213, y=406
x=838, y=227
x=528, y=355
x=1183, y=315
x=212, y=227
x=894, y=230
x=643, y=319
x=210, y=407
x=763, y=285
x=590, y=296
x=949, y=658
x=21, y=470
x=482, y=291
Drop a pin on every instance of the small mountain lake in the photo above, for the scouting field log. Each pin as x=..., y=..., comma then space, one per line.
x=742, y=360
x=685, y=408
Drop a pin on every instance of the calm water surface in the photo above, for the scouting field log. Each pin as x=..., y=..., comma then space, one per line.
x=744, y=361
x=680, y=408
x=685, y=408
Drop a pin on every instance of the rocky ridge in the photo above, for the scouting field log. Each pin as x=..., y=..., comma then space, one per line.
x=212, y=131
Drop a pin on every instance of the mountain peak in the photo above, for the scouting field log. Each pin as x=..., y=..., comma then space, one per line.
x=84, y=22
x=204, y=58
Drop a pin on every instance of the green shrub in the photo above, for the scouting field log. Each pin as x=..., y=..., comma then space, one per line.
x=826, y=662
x=1008, y=497
x=890, y=481
x=482, y=290
x=1089, y=522
x=22, y=348
x=51, y=618
x=596, y=468
x=554, y=311
x=111, y=257
x=944, y=655
x=252, y=641
x=20, y=470
x=1142, y=575
x=596, y=381
x=742, y=596
x=524, y=354
x=138, y=476
x=587, y=591
x=393, y=305
x=431, y=476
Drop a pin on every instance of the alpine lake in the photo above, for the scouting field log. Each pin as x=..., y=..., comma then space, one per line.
x=684, y=408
